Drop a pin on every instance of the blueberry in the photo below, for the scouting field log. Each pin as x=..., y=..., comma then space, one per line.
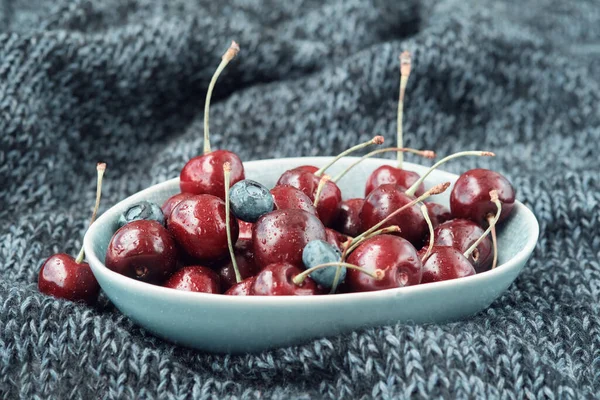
x=142, y=210
x=249, y=200
x=318, y=252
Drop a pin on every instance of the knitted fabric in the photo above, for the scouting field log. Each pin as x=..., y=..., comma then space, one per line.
x=123, y=81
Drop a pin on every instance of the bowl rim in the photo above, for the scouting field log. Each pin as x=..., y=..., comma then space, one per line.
x=98, y=267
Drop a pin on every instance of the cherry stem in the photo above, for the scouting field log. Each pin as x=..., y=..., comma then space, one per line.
x=423, y=153
x=383, y=231
x=494, y=242
x=100, y=168
x=322, y=182
x=405, y=62
x=375, y=140
x=411, y=190
x=298, y=279
x=492, y=222
x=228, y=56
x=338, y=271
x=437, y=189
x=227, y=176
x=430, y=226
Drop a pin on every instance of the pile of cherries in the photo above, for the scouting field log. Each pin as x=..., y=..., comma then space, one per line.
x=225, y=234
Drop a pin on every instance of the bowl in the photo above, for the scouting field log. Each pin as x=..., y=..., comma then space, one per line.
x=232, y=324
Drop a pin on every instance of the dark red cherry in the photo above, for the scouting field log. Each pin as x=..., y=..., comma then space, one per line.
x=245, y=230
x=461, y=234
x=244, y=256
x=348, y=221
x=277, y=280
x=195, y=279
x=172, y=202
x=335, y=238
x=386, y=174
x=280, y=236
x=288, y=197
x=385, y=200
x=198, y=226
x=393, y=255
x=438, y=214
x=244, y=288
x=143, y=250
x=470, y=197
x=204, y=174
x=445, y=263
x=61, y=276
x=331, y=196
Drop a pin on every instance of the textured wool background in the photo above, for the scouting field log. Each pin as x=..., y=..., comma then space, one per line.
x=123, y=82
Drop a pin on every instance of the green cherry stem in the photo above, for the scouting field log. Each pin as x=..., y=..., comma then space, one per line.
x=298, y=279
x=100, y=168
x=375, y=140
x=228, y=56
x=405, y=61
x=382, y=231
x=227, y=176
x=492, y=219
x=322, y=182
x=430, y=226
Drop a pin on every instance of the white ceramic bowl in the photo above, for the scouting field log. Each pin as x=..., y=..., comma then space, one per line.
x=233, y=324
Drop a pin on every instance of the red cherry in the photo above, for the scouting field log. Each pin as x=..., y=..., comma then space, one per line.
x=348, y=221
x=277, y=280
x=172, y=202
x=244, y=288
x=204, y=174
x=470, y=197
x=143, y=250
x=335, y=238
x=446, y=263
x=461, y=234
x=287, y=197
x=385, y=200
x=281, y=235
x=393, y=255
x=61, y=276
x=245, y=229
x=438, y=213
x=244, y=256
x=195, y=279
x=198, y=226
x=386, y=174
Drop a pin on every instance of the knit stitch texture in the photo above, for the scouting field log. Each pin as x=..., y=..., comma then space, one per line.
x=123, y=81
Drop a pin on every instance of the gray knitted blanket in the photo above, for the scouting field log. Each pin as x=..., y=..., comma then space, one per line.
x=123, y=81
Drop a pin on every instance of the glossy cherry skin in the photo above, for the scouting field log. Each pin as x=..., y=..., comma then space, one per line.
x=244, y=256
x=60, y=276
x=387, y=174
x=244, y=288
x=280, y=236
x=195, y=279
x=307, y=182
x=461, y=234
x=198, y=226
x=245, y=229
x=335, y=238
x=288, y=197
x=204, y=174
x=470, y=197
x=142, y=250
x=393, y=255
x=446, y=263
x=277, y=280
x=172, y=202
x=385, y=200
x=348, y=221
x=438, y=214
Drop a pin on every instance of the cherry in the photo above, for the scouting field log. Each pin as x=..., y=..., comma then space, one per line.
x=172, y=202
x=245, y=229
x=195, y=279
x=470, y=196
x=438, y=213
x=244, y=288
x=198, y=226
x=143, y=250
x=278, y=280
x=461, y=234
x=282, y=234
x=387, y=174
x=446, y=263
x=64, y=277
x=393, y=255
x=288, y=197
x=204, y=174
x=244, y=256
x=348, y=221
